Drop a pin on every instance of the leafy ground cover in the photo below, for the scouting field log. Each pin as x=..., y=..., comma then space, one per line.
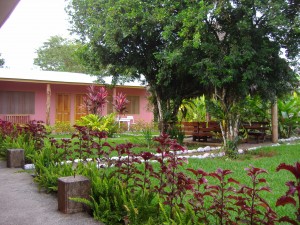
x=266, y=157
x=136, y=186
x=166, y=189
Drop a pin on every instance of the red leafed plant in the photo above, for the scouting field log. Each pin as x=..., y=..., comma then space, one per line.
x=222, y=196
x=120, y=103
x=253, y=208
x=95, y=99
x=293, y=193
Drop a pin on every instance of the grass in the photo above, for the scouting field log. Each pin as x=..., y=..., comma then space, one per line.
x=137, y=138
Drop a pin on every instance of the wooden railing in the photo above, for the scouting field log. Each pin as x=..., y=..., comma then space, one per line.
x=17, y=118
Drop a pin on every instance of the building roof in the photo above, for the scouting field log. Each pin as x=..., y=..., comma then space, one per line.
x=38, y=76
x=6, y=8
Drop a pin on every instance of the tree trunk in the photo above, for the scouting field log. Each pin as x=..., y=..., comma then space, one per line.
x=229, y=129
x=275, y=122
x=167, y=113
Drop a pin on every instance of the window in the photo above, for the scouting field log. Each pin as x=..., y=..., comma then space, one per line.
x=133, y=106
x=17, y=102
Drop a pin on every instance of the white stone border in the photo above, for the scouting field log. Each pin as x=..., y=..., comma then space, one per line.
x=187, y=153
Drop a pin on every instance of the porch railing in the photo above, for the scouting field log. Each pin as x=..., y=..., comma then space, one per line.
x=17, y=118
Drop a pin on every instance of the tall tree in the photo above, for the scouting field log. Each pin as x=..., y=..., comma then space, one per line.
x=127, y=38
x=240, y=43
x=227, y=49
x=59, y=54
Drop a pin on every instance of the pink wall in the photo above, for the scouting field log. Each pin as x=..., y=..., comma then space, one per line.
x=72, y=90
x=145, y=114
x=40, y=96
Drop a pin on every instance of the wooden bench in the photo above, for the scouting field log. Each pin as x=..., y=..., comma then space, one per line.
x=256, y=129
x=201, y=130
x=17, y=118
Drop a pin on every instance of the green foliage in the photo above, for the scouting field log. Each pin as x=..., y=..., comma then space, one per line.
x=186, y=108
x=139, y=125
x=181, y=217
x=255, y=109
x=216, y=109
x=106, y=123
x=47, y=177
x=59, y=54
x=231, y=150
x=288, y=115
x=177, y=133
x=129, y=190
x=62, y=128
x=22, y=141
x=147, y=133
x=50, y=164
x=113, y=203
x=193, y=110
x=228, y=49
x=115, y=26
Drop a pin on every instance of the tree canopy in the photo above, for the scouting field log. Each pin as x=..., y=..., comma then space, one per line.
x=226, y=49
x=59, y=54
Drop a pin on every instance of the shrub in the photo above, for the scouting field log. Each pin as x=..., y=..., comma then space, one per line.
x=94, y=122
x=29, y=137
x=140, y=125
x=177, y=133
x=62, y=128
x=22, y=141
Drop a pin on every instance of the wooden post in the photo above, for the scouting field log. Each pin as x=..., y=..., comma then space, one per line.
x=274, y=122
x=15, y=158
x=48, y=104
x=70, y=187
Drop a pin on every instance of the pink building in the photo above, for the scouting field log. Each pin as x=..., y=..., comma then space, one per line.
x=57, y=96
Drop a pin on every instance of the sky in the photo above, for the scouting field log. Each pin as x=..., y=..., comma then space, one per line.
x=31, y=24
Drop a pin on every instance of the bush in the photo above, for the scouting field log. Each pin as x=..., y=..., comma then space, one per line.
x=21, y=142
x=141, y=125
x=61, y=128
x=106, y=123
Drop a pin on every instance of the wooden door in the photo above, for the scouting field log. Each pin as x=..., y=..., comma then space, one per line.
x=63, y=108
x=80, y=110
